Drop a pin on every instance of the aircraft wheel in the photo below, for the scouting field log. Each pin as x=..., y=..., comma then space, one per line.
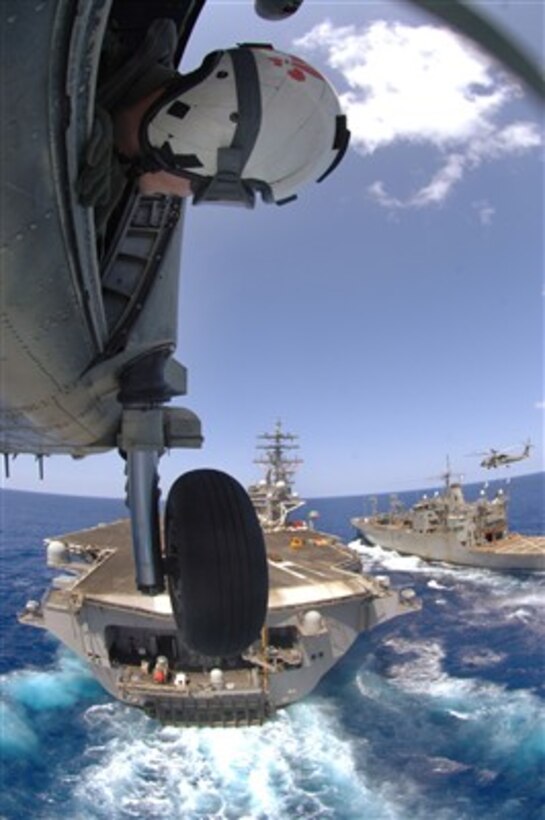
x=216, y=563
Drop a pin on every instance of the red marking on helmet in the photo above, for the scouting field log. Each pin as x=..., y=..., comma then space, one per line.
x=297, y=74
x=298, y=63
x=297, y=68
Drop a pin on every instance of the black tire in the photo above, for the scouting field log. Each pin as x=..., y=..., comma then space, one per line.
x=216, y=563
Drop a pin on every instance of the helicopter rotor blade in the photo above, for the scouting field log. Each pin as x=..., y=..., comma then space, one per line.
x=490, y=37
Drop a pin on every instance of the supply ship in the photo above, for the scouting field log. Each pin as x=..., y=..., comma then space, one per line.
x=446, y=527
x=319, y=602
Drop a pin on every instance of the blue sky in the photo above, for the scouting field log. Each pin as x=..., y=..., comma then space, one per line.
x=393, y=314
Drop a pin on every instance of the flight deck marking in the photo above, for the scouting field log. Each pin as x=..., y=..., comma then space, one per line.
x=283, y=566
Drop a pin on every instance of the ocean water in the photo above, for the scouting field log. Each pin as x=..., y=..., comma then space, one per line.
x=437, y=715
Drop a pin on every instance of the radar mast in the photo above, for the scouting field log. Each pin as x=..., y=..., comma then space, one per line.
x=274, y=497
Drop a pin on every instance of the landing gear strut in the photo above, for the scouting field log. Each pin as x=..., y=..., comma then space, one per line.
x=214, y=552
x=143, y=502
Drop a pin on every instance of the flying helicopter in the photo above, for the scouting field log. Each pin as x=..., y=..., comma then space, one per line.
x=503, y=458
x=90, y=272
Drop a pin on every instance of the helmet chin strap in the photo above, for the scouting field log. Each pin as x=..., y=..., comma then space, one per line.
x=226, y=185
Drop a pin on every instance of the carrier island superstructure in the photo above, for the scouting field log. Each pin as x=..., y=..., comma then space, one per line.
x=319, y=602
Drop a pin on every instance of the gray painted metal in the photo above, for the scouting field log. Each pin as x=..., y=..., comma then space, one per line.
x=63, y=344
x=146, y=538
x=88, y=314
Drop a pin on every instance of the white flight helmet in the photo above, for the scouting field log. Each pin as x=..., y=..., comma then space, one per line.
x=249, y=119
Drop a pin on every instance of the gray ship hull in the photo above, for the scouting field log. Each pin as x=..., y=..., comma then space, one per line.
x=513, y=552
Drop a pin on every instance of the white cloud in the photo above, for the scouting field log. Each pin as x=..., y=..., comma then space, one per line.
x=422, y=85
x=540, y=405
x=485, y=211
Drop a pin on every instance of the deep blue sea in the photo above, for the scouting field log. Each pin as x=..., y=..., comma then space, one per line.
x=439, y=715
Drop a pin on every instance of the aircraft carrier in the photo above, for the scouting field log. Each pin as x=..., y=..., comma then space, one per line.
x=319, y=602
